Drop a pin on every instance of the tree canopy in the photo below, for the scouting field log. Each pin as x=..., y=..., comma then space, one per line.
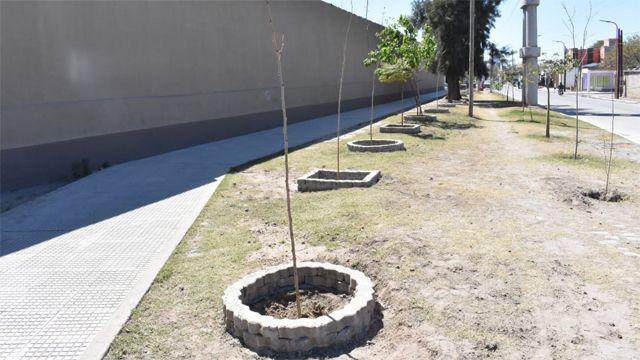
x=400, y=55
x=630, y=54
x=449, y=20
x=400, y=49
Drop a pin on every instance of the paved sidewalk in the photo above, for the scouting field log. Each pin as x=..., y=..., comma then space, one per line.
x=75, y=262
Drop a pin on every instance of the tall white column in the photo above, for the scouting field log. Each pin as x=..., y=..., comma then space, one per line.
x=530, y=50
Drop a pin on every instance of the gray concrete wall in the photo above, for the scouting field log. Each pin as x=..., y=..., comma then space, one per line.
x=111, y=81
x=632, y=79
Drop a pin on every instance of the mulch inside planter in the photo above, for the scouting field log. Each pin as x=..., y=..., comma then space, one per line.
x=314, y=304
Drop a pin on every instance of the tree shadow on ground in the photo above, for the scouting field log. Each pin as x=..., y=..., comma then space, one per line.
x=344, y=349
x=428, y=136
x=496, y=104
x=528, y=120
x=453, y=125
x=447, y=125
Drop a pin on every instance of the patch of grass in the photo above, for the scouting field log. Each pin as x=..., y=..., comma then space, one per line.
x=189, y=287
x=214, y=252
x=446, y=234
x=539, y=116
x=591, y=161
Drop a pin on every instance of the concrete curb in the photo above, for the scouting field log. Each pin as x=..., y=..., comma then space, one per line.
x=378, y=145
x=421, y=118
x=322, y=179
x=397, y=128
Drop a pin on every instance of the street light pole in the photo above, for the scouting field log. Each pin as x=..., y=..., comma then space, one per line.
x=618, y=56
x=620, y=62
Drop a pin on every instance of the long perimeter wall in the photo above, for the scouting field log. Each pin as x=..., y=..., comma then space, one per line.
x=112, y=81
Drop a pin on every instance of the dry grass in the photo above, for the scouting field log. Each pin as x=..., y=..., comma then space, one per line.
x=474, y=239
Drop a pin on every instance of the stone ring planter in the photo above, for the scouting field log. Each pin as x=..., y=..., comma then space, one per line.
x=385, y=145
x=321, y=179
x=398, y=128
x=447, y=105
x=261, y=332
x=420, y=118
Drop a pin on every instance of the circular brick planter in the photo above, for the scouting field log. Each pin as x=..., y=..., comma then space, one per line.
x=398, y=128
x=375, y=145
x=262, y=332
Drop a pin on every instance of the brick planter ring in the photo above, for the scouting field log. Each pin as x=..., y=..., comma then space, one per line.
x=398, y=128
x=261, y=332
x=375, y=145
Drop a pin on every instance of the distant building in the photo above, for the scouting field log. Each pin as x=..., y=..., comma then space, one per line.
x=608, y=48
x=593, y=78
x=588, y=56
x=594, y=55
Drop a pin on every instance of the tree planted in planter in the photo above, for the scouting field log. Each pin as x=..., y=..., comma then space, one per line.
x=278, y=48
x=401, y=55
x=394, y=73
x=344, y=60
x=373, y=76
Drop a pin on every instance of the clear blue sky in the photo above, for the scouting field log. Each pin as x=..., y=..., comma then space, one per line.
x=508, y=30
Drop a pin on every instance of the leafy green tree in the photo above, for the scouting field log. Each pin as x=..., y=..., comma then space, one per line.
x=497, y=56
x=550, y=68
x=449, y=20
x=394, y=73
x=401, y=55
x=510, y=74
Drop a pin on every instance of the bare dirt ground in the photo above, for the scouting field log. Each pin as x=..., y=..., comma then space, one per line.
x=479, y=242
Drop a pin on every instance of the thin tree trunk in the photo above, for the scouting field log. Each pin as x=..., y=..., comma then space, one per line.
x=491, y=78
x=373, y=76
x=548, y=130
x=373, y=86
x=344, y=59
x=437, y=89
x=613, y=115
x=402, y=104
x=578, y=77
x=418, y=102
x=437, y=82
x=278, y=52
